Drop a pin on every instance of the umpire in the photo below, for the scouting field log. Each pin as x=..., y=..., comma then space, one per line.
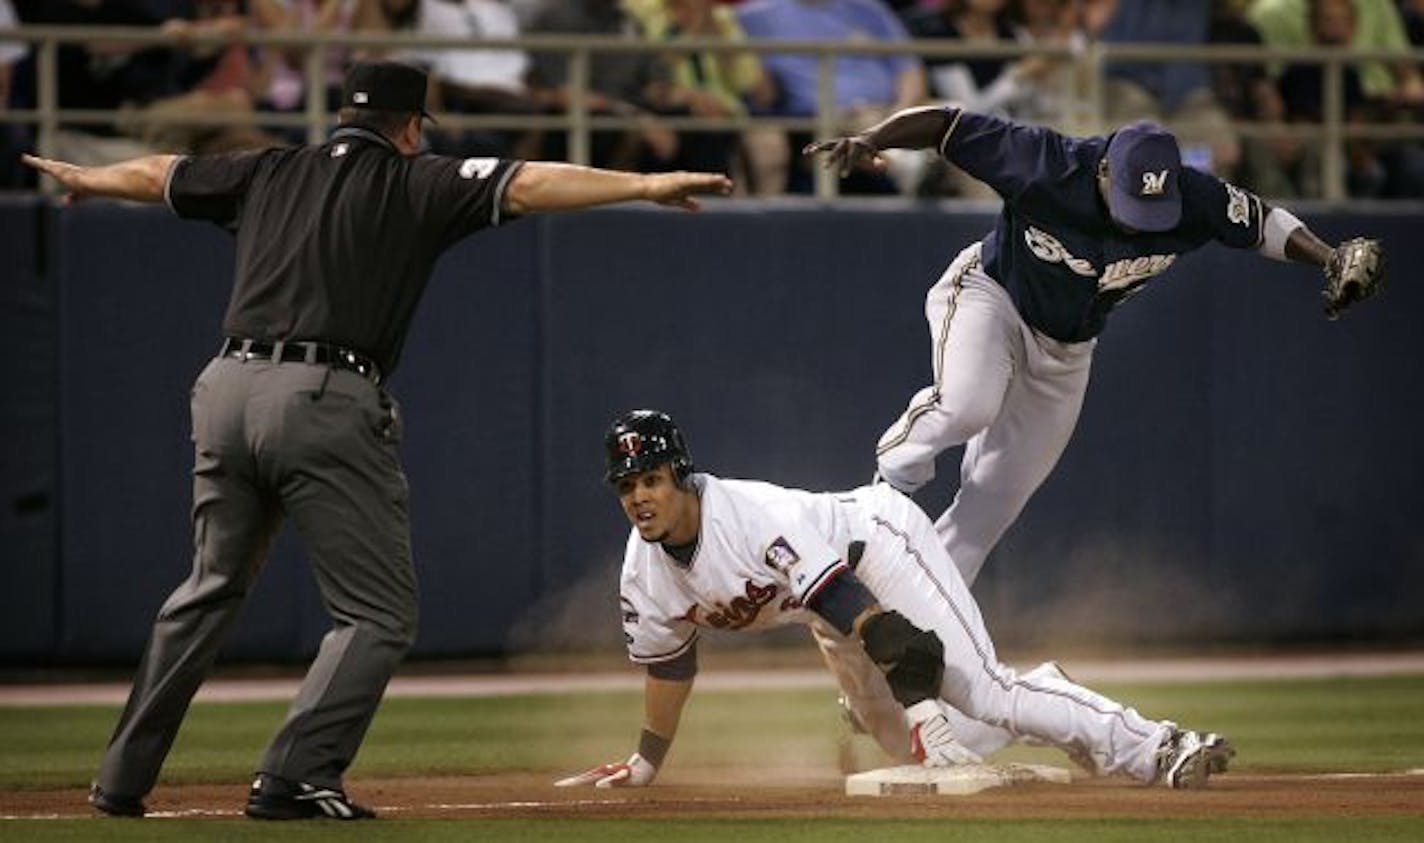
x=335, y=244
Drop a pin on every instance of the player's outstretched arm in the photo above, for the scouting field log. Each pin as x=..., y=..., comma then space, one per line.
x=912, y=128
x=553, y=186
x=1354, y=270
x=138, y=179
x=663, y=701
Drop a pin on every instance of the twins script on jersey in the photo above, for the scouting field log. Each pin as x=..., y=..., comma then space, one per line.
x=761, y=552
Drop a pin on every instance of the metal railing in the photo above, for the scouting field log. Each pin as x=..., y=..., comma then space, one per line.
x=1088, y=67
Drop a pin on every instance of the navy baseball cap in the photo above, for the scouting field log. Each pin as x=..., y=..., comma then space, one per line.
x=1144, y=162
x=385, y=86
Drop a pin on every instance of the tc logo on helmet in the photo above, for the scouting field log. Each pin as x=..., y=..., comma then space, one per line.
x=630, y=443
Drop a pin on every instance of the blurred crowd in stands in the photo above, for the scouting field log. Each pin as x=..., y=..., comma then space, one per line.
x=1206, y=103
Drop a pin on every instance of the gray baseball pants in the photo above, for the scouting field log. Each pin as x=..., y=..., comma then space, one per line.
x=318, y=445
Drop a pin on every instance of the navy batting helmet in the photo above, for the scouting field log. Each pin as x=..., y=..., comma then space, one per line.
x=644, y=439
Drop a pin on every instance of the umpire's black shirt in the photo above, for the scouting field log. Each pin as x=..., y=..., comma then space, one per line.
x=336, y=242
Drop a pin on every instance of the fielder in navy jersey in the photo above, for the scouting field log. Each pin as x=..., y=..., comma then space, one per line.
x=1086, y=222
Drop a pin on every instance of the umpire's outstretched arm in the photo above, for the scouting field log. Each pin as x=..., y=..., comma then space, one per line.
x=552, y=186
x=138, y=179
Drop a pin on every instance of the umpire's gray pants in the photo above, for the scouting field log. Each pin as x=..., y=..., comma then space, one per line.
x=319, y=445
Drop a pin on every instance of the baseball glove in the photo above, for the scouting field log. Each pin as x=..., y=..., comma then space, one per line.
x=1355, y=272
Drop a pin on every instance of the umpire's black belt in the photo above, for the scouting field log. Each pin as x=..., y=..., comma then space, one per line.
x=302, y=351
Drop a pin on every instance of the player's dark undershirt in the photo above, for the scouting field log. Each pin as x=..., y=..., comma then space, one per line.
x=682, y=553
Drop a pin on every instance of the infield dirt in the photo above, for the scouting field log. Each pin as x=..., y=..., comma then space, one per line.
x=693, y=793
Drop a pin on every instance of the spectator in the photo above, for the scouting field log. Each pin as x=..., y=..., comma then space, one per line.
x=286, y=68
x=979, y=84
x=107, y=76
x=1053, y=95
x=13, y=137
x=11, y=52
x=1032, y=88
x=617, y=82
x=1373, y=170
x=712, y=84
x=471, y=81
x=1411, y=13
x=990, y=85
x=1378, y=26
x=100, y=76
x=1271, y=166
x=213, y=79
x=866, y=87
x=1176, y=92
x=526, y=10
x=864, y=84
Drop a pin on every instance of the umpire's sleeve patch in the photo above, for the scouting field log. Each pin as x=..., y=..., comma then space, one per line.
x=478, y=168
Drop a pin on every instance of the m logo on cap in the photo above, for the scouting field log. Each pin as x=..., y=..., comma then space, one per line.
x=1154, y=184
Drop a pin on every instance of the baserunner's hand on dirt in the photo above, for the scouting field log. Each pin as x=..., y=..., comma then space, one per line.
x=637, y=771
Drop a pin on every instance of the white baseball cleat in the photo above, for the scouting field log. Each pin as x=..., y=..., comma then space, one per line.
x=1187, y=759
x=932, y=741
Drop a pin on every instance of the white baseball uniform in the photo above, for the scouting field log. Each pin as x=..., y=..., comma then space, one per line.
x=762, y=550
x=1009, y=393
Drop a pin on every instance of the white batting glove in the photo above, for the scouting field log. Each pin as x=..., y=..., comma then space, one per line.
x=932, y=740
x=637, y=771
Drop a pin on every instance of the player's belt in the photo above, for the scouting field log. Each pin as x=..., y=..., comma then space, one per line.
x=301, y=351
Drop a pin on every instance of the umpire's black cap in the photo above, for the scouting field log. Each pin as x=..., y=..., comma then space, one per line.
x=385, y=86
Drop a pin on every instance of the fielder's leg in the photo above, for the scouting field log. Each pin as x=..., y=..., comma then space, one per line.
x=973, y=333
x=1006, y=463
x=343, y=487
x=233, y=528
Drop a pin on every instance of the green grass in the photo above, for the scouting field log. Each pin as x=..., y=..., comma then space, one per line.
x=1343, y=725
x=948, y=830
x=1357, y=725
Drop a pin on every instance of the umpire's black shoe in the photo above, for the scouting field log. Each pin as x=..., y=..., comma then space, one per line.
x=114, y=804
x=275, y=798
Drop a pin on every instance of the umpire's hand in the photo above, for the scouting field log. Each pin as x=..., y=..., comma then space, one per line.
x=678, y=188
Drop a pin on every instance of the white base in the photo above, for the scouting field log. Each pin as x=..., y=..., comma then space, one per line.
x=950, y=781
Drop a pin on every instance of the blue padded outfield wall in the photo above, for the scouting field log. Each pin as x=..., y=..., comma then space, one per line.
x=1243, y=471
